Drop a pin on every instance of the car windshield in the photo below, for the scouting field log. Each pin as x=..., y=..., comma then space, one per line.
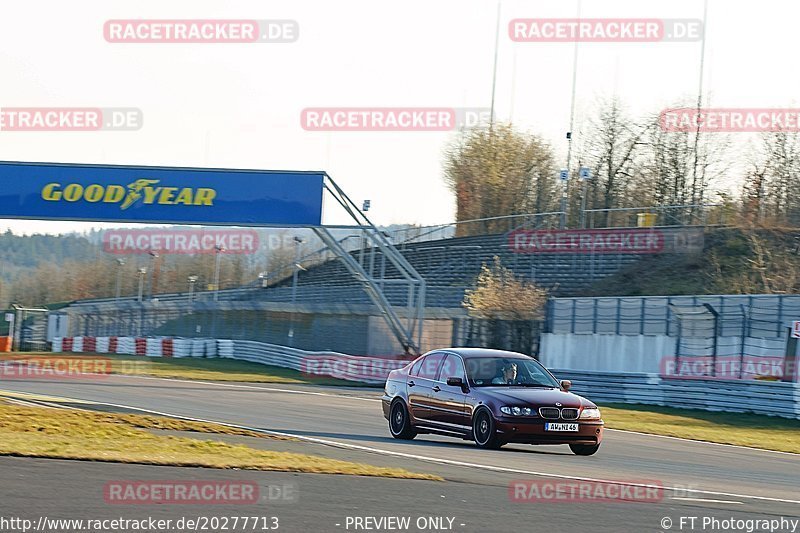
x=507, y=372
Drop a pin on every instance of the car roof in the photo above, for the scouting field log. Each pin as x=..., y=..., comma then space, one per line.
x=468, y=353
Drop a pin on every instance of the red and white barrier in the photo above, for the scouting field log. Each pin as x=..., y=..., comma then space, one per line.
x=322, y=364
x=101, y=345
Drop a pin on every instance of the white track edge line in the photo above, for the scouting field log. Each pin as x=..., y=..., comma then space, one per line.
x=294, y=391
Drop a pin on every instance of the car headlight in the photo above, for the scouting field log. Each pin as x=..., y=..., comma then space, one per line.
x=591, y=413
x=516, y=411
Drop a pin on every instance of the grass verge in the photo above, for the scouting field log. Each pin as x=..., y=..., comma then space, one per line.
x=72, y=434
x=755, y=431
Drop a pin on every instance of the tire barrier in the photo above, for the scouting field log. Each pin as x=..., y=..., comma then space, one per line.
x=314, y=364
x=145, y=346
x=101, y=344
x=89, y=344
x=198, y=348
x=153, y=347
x=126, y=345
x=182, y=347
x=141, y=346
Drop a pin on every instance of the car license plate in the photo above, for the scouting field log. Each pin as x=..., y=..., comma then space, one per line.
x=560, y=426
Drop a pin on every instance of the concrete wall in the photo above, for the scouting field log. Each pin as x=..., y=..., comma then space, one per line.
x=605, y=353
x=436, y=333
x=635, y=353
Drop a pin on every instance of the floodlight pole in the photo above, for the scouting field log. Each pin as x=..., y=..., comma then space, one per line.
x=297, y=242
x=153, y=256
x=192, y=280
x=120, y=264
x=217, y=250
x=142, y=272
x=565, y=187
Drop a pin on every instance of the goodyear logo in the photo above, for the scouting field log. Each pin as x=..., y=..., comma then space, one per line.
x=145, y=191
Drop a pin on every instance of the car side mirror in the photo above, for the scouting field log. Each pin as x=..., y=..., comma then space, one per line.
x=455, y=382
x=565, y=384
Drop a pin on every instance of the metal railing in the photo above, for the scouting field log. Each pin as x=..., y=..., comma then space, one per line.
x=478, y=226
x=664, y=216
x=622, y=217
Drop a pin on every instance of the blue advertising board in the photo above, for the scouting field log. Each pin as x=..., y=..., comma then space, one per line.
x=113, y=193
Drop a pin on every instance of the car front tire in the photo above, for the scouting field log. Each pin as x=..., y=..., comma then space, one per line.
x=584, y=449
x=484, y=432
x=400, y=423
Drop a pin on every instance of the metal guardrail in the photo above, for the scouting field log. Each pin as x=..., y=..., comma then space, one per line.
x=369, y=370
x=761, y=397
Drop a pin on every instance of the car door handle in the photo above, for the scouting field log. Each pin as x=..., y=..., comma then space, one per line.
x=436, y=388
x=411, y=383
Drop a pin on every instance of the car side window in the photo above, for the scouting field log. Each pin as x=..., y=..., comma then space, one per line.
x=430, y=366
x=452, y=368
x=415, y=369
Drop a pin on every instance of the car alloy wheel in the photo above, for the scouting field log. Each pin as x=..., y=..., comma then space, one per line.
x=483, y=431
x=399, y=422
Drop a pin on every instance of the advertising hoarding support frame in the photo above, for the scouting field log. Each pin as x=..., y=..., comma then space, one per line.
x=210, y=196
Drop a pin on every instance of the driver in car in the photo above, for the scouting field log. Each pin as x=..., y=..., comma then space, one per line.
x=508, y=375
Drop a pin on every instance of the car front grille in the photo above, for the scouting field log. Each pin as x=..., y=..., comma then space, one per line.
x=551, y=413
x=554, y=413
x=569, y=414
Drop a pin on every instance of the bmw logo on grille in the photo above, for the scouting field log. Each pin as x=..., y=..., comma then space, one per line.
x=558, y=404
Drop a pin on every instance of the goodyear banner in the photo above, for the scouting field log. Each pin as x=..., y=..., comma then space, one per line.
x=160, y=194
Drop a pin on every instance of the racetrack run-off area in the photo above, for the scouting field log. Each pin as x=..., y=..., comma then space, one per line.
x=345, y=423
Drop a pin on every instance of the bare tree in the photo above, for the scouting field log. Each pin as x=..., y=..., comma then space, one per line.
x=681, y=168
x=613, y=148
x=770, y=188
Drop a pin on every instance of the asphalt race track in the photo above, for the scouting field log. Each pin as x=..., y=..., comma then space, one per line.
x=705, y=480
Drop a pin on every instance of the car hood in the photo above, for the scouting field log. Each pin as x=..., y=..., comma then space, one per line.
x=531, y=396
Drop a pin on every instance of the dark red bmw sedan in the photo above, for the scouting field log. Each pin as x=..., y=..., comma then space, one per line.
x=490, y=396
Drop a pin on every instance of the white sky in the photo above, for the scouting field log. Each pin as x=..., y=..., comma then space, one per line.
x=238, y=105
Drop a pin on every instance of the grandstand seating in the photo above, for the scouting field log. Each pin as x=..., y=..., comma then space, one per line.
x=449, y=267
